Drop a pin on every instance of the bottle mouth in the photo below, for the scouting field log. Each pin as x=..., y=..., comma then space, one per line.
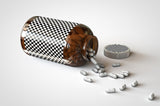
x=91, y=42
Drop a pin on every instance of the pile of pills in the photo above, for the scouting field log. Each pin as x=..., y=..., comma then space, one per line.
x=100, y=69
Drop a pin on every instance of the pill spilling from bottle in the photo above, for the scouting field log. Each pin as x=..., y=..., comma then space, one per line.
x=100, y=70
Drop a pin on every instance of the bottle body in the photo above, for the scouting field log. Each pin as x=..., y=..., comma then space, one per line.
x=56, y=40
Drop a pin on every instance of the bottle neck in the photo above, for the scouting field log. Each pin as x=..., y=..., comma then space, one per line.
x=91, y=42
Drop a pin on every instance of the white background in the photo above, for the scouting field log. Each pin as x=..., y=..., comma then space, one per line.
x=28, y=81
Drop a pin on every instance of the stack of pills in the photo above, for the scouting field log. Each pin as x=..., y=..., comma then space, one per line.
x=99, y=68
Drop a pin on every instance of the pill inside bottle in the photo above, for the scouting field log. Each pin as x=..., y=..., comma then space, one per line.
x=57, y=40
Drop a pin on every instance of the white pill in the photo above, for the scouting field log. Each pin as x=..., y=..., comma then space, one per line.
x=134, y=84
x=103, y=74
x=97, y=66
x=123, y=87
x=95, y=70
x=151, y=96
x=120, y=76
x=94, y=51
x=90, y=50
x=87, y=79
x=91, y=54
x=101, y=65
x=101, y=70
x=111, y=90
x=85, y=73
x=116, y=65
x=112, y=75
x=125, y=73
x=93, y=60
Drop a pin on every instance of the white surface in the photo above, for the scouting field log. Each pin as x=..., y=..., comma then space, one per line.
x=28, y=81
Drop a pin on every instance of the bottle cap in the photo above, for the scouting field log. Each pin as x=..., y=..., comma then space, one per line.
x=116, y=51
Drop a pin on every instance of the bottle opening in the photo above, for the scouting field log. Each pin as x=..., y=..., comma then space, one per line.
x=78, y=43
x=90, y=47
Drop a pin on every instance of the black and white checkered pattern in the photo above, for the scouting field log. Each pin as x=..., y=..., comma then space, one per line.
x=45, y=38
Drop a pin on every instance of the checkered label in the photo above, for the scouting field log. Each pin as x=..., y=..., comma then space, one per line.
x=45, y=38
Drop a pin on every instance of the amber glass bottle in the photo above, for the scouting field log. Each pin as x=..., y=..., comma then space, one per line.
x=57, y=40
